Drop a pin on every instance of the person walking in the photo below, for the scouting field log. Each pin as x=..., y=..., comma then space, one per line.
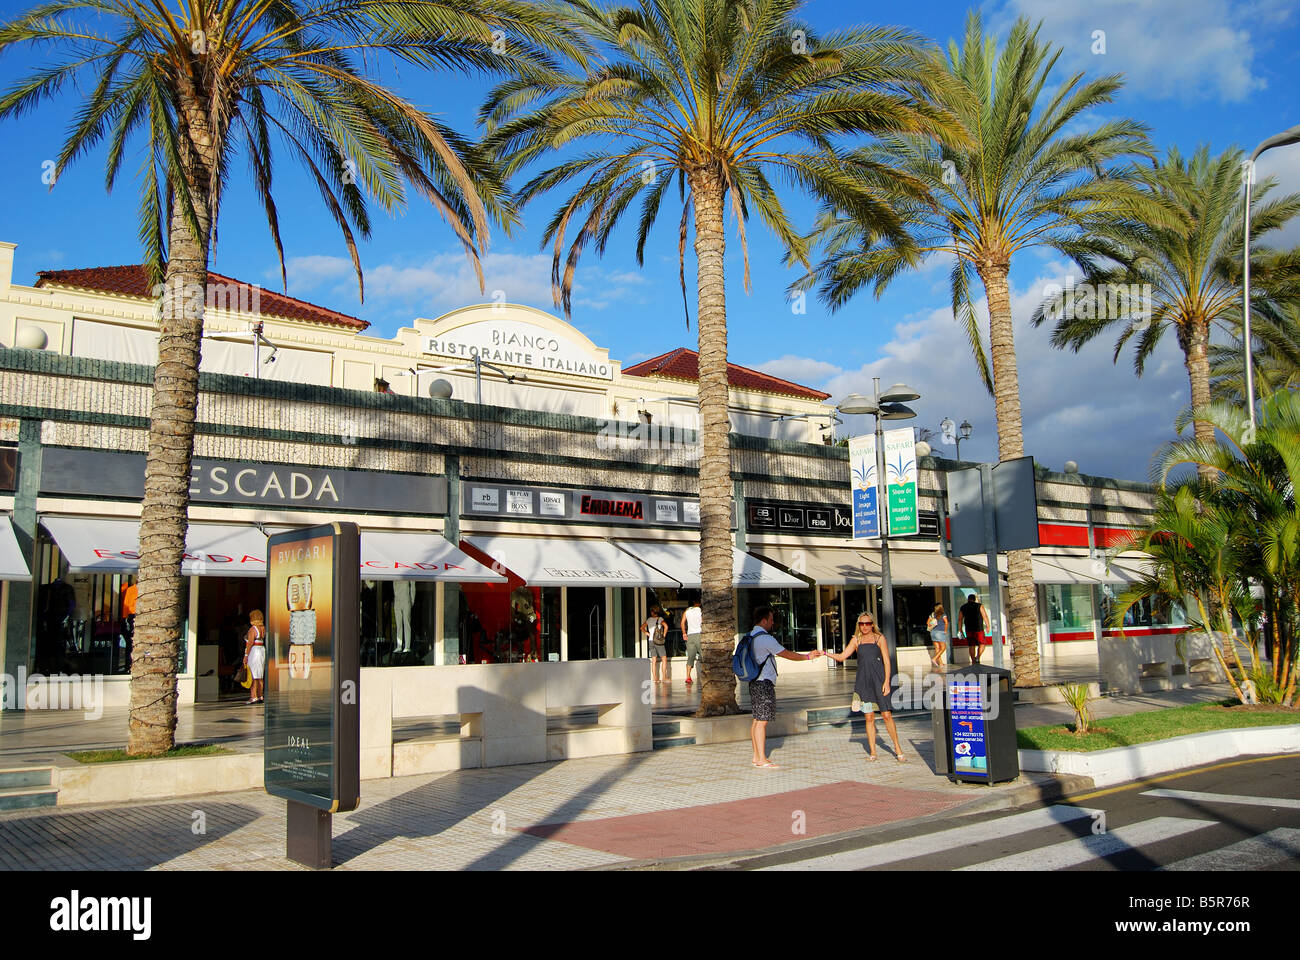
x=762, y=691
x=693, y=628
x=656, y=629
x=938, y=627
x=255, y=655
x=871, y=692
x=975, y=624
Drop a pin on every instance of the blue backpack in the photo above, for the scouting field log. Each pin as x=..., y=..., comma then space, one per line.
x=743, y=662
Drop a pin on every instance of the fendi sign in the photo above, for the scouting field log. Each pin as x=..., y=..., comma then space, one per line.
x=98, y=473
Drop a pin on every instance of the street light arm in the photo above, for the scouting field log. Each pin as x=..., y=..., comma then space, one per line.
x=1277, y=140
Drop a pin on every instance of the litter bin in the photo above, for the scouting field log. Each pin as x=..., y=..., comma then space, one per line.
x=977, y=726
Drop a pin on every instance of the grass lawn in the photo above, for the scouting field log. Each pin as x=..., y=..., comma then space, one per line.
x=1155, y=725
x=113, y=756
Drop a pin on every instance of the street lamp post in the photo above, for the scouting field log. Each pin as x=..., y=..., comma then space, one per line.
x=950, y=430
x=1248, y=174
x=889, y=405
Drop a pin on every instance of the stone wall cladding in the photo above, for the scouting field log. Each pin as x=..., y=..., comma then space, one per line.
x=104, y=405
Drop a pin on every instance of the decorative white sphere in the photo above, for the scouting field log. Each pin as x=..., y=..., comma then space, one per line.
x=1071, y=466
x=31, y=337
x=440, y=389
x=922, y=449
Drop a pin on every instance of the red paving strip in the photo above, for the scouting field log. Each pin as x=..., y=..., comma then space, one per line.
x=748, y=824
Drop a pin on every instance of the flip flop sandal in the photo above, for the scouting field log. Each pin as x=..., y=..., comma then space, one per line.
x=766, y=766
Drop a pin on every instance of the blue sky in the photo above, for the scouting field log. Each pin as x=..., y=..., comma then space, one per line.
x=1197, y=71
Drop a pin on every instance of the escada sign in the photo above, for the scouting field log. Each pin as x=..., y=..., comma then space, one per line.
x=109, y=474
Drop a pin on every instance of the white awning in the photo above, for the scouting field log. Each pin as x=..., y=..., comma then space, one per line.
x=113, y=546
x=929, y=570
x=681, y=561
x=13, y=566
x=419, y=556
x=569, y=562
x=826, y=566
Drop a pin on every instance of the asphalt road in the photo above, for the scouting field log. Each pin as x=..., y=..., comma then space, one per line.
x=1238, y=815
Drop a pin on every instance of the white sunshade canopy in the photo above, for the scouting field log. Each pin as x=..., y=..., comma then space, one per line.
x=1079, y=570
x=113, y=546
x=681, y=561
x=569, y=563
x=826, y=566
x=929, y=570
x=419, y=556
x=12, y=564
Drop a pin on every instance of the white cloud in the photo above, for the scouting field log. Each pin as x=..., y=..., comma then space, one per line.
x=1284, y=164
x=801, y=370
x=429, y=286
x=1073, y=406
x=1183, y=49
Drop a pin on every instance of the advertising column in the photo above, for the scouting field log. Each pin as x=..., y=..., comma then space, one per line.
x=313, y=732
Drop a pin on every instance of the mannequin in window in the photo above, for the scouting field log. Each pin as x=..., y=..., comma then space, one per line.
x=403, y=601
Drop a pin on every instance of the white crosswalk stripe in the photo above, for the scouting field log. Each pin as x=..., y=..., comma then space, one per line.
x=1276, y=846
x=1061, y=855
x=943, y=841
x=1281, y=803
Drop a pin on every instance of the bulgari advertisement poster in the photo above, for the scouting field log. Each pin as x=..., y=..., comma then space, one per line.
x=313, y=666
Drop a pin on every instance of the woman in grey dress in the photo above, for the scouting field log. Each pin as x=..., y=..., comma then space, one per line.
x=871, y=691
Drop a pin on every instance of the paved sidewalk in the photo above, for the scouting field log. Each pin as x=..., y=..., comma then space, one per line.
x=687, y=802
x=694, y=802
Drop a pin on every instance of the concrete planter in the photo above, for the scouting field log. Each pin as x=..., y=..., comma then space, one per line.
x=158, y=779
x=1122, y=764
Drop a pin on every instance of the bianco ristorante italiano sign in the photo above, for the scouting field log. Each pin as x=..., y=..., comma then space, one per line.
x=519, y=344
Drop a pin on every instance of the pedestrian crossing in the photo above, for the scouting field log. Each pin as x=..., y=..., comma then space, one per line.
x=1035, y=837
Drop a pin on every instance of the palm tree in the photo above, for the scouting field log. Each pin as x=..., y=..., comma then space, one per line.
x=198, y=81
x=1210, y=539
x=1182, y=274
x=1024, y=181
x=1275, y=356
x=720, y=96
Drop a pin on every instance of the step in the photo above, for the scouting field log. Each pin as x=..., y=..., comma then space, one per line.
x=666, y=728
x=26, y=777
x=664, y=743
x=24, y=798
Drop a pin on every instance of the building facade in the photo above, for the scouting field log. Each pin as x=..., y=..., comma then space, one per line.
x=541, y=523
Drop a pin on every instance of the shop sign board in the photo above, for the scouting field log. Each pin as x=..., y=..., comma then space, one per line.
x=863, y=487
x=102, y=473
x=969, y=743
x=312, y=734
x=518, y=343
x=900, y=477
x=831, y=519
x=520, y=501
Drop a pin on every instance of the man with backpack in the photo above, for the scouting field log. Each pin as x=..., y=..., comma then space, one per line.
x=753, y=661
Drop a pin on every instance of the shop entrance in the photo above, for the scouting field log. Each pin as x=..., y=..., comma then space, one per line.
x=585, y=624
x=222, y=624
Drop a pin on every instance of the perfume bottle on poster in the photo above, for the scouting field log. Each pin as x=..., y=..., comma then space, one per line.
x=302, y=625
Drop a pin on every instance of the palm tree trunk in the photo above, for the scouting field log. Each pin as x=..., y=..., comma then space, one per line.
x=718, y=690
x=1022, y=604
x=161, y=602
x=1197, y=359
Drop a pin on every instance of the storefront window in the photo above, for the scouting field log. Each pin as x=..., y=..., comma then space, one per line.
x=796, y=615
x=625, y=625
x=832, y=619
x=1147, y=612
x=673, y=603
x=84, y=622
x=399, y=623
x=912, y=608
x=855, y=603
x=1069, y=607
x=586, y=623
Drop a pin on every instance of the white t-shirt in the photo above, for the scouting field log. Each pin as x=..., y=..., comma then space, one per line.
x=657, y=629
x=693, y=620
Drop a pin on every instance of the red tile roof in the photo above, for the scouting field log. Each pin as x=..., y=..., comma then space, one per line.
x=684, y=364
x=133, y=281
